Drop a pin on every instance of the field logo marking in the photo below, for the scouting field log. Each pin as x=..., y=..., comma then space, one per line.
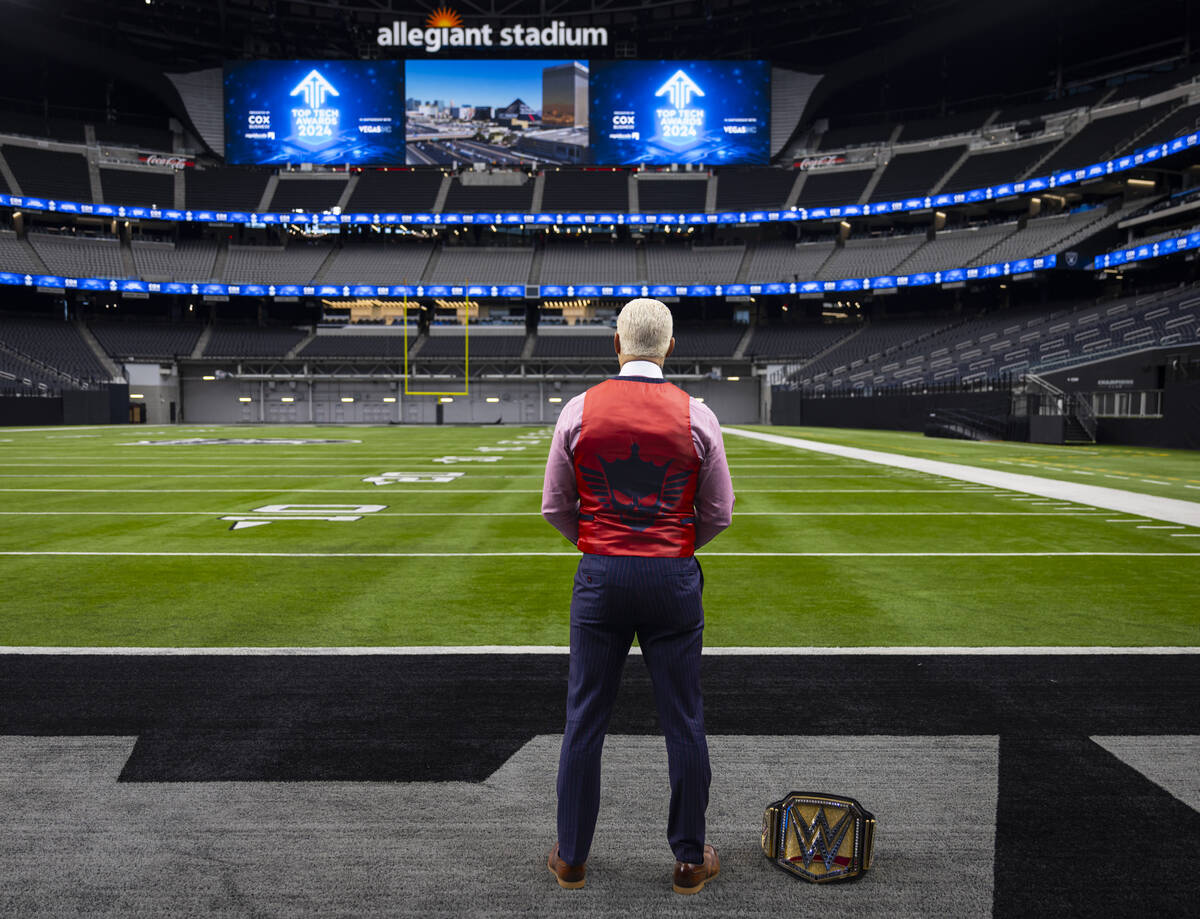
x=330, y=513
x=398, y=478
x=448, y=460
x=499, y=449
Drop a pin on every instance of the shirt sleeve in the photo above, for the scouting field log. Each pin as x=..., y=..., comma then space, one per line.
x=560, y=496
x=714, y=488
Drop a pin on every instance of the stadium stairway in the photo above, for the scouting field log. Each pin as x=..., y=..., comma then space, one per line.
x=743, y=343
x=643, y=267
x=110, y=367
x=351, y=184
x=13, y=185
x=34, y=256
x=201, y=342
x=439, y=203
x=634, y=202
x=535, y=266
x=744, y=265
x=268, y=193
x=218, y=269
x=434, y=257
x=326, y=263
x=710, y=195
x=539, y=191
x=127, y=265
x=937, y=186
x=301, y=344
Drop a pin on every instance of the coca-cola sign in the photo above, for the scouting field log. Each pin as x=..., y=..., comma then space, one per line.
x=161, y=159
x=829, y=159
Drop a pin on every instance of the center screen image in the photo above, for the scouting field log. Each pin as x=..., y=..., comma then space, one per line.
x=661, y=112
x=501, y=111
x=314, y=112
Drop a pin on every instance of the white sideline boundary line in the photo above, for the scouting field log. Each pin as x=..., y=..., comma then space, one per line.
x=266, y=489
x=703, y=555
x=1171, y=510
x=1075, y=512
x=414, y=650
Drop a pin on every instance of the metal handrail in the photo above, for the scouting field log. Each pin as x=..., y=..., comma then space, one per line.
x=1081, y=408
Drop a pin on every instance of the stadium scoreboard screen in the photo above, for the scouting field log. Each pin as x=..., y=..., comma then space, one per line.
x=314, y=112
x=661, y=112
x=386, y=113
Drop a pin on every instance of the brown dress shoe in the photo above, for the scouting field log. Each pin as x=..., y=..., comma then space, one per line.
x=691, y=878
x=569, y=876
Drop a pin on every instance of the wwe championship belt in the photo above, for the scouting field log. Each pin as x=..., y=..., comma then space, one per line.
x=818, y=837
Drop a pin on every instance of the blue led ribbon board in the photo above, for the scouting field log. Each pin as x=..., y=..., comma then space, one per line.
x=328, y=112
x=661, y=112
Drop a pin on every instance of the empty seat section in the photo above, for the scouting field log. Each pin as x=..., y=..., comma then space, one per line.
x=453, y=346
x=860, y=135
x=128, y=341
x=383, y=263
x=586, y=192
x=914, y=174
x=501, y=198
x=483, y=265
x=14, y=256
x=296, y=264
x=137, y=186
x=185, y=260
x=669, y=264
x=393, y=192
x=927, y=128
x=781, y=261
x=864, y=258
x=1100, y=139
x=955, y=249
x=37, y=126
x=308, y=195
x=574, y=346
x=49, y=173
x=224, y=189
x=55, y=343
x=795, y=342
x=377, y=346
x=828, y=189
x=981, y=170
x=663, y=195
x=593, y=263
x=236, y=341
x=705, y=341
x=753, y=189
x=79, y=256
x=132, y=135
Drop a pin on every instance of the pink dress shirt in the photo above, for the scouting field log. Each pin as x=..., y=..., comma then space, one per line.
x=714, y=489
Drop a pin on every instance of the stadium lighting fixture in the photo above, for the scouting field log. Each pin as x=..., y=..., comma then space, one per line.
x=733, y=379
x=244, y=399
x=389, y=398
x=492, y=399
x=698, y=398
x=445, y=399
x=208, y=377
x=555, y=399
x=287, y=399
x=136, y=395
x=1140, y=183
x=347, y=398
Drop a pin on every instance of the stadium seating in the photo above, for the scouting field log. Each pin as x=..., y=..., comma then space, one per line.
x=79, y=256
x=586, y=192
x=752, y=189
x=55, y=343
x=914, y=174
x=306, y=195
x=18, y=376
x=996, y=166
x=1102, y=138
x=856, y=136
x=870, y=257
x=124, y=341
x=14, y=254
x=185, y=260
x=671, y=196
x=385, y=263
x=500, y=265
x=795, y=342
x=698, y=341
x=824, y=189
x=481, y=346
x=225, y=189
x=596, y=262
x=573, y=346
x=241, y=341
x=953, y=249
x=782, y=261
x=137, y=186
x=678, y=264
x=295, y=264
x=483, y=198
x=363, y=346
x=395, y=191
x=49, y=173
x=946, y=126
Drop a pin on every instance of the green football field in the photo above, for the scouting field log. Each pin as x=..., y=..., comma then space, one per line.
x=108, y=541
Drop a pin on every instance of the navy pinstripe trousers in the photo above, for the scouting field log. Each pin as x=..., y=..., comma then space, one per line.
x=659, y=600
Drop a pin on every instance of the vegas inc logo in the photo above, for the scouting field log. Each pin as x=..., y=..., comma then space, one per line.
x=314, y=125
x=680, y=125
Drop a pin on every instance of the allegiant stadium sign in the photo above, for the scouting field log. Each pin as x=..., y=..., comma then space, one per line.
x=444, y=29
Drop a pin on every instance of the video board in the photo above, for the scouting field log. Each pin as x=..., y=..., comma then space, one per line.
x=314, y=112
x=507, y=112
x=661, y=112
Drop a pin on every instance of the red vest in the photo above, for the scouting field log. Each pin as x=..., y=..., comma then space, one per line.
x=636, y=469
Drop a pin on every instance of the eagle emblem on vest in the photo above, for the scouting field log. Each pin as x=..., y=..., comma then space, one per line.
x=634, y=489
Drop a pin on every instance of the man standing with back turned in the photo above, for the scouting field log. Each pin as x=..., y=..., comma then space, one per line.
x=637, y=478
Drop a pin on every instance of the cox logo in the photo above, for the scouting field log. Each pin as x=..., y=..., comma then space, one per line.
x=620, y=121
x=260, y=120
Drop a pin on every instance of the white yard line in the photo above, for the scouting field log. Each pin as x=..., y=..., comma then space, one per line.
x=709, y=651
x=1172, y=510
x=457, y=491
x=1065, y=513
x=115, y=554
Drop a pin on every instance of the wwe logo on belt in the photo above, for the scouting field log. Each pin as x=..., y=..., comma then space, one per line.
x=818, y=836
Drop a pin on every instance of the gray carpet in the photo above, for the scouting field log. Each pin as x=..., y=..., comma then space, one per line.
x=1171, y=762
x=75, y=841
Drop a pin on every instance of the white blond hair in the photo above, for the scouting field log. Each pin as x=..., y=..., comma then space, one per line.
x=645, y=328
